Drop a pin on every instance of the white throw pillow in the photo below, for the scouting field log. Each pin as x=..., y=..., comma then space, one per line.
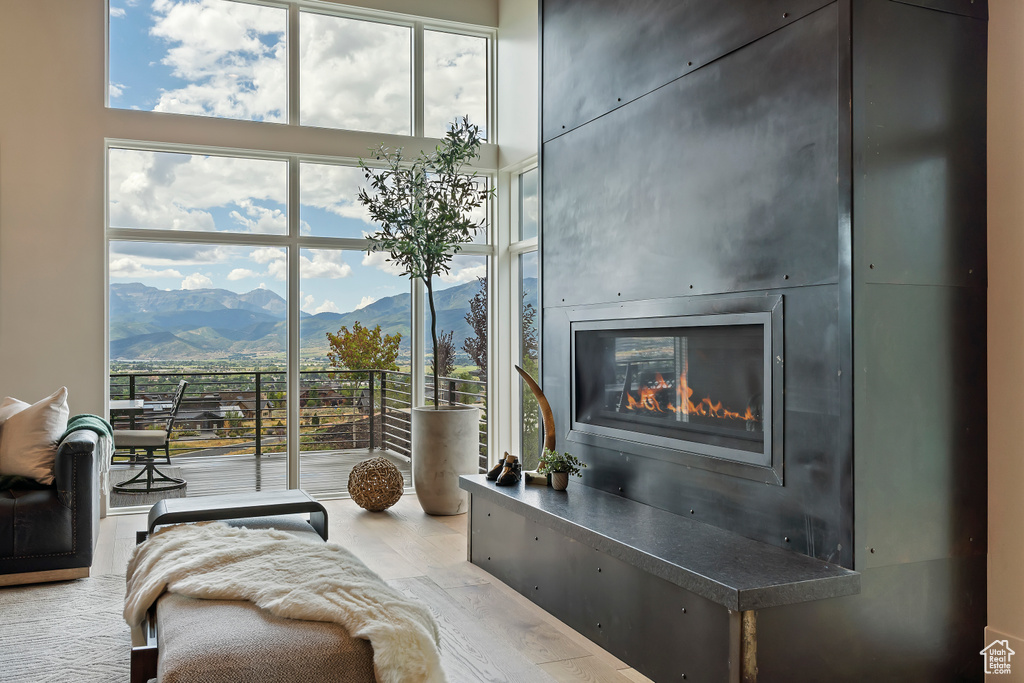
x=28, y=441
x=9, y=407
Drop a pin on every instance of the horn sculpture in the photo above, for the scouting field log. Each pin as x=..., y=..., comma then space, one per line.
x=545, y=409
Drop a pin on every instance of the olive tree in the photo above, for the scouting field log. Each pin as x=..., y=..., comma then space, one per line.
x=425, y=208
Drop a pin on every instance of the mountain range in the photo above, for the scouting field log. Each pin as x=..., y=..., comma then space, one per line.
x=147, y=323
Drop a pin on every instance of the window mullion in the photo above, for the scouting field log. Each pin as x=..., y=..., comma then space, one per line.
x=294, y=338
x=417, y=80
x=293, y=65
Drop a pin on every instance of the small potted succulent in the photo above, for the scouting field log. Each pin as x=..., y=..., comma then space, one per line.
x=560, y=466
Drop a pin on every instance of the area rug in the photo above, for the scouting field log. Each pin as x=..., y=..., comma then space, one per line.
x=65, y=631
x=118, y=500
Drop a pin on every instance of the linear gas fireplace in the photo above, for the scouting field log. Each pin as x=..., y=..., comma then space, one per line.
x=697, y=383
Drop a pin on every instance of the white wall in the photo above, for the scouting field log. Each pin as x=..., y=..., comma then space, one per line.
x=51, y=200
x=1006, y=324
x=518, y=81
x=52, y=128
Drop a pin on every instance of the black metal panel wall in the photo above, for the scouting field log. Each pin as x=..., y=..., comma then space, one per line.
x=701, y=188
x=920, y=174
x=596, y=66
x=920, y=401
x=853, y=128
x=912, y=623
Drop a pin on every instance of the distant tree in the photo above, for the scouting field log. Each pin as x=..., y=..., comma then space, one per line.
x=529, y=357
x=476, y=346
x=363, y=348
x=529, y=341
x=446, y=355
x=312, y=399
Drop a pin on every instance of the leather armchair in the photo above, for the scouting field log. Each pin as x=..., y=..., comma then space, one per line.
x=49, y=533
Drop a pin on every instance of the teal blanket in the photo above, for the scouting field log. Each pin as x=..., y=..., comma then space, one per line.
x=93, y=423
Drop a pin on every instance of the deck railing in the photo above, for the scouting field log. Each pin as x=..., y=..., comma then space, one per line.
x=232, y=412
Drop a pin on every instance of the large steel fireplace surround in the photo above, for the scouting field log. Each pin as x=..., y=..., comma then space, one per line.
x=697, y=381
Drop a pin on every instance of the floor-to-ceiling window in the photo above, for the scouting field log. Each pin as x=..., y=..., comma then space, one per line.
x=243, y=267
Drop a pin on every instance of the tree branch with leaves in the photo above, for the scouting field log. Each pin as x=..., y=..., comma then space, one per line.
x=425, y=209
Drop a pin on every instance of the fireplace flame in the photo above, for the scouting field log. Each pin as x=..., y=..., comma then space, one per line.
x=685, y=405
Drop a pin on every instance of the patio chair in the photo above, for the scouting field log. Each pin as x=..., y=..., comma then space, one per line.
x=151, y=440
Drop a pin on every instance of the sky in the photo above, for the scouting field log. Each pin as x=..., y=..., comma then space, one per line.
x=229, y=59
x=200, y=193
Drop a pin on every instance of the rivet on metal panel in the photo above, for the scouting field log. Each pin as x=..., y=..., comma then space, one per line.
x=684, y=610
x=787, y=539
x=872, y=550
x=598, y=570
x=599, y=624
x=689, y=64
x=536, y=588
x=785, y=277
x=620, y=99
x=536, y=538
x=785, y=15
x=871, y=265
x=691, y=512
x=488, y=558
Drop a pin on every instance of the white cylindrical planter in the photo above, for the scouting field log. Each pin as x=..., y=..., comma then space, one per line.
x=445, y=444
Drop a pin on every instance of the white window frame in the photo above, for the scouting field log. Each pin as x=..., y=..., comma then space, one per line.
x=505, y=319
x=189, y=134
x=418, y=25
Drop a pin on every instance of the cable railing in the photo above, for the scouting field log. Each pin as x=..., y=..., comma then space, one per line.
x=245, y=413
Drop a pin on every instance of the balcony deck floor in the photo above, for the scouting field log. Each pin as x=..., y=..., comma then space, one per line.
x=321, y=472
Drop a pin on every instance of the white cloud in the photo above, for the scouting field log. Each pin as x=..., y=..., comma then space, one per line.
x=327, y=306
x=181, y=191
x=379, y=260
x=233, y=56
x=196, y=281
x=307, y=302
x=455, y=80
x=333, y=189
x=117, y=12
x=365, y=301
x=241, y=274
x=462, y=273
x=266, y=254
x=324, y=265
x=278, y=270
x=116, y=89
x=260, y=219
x=355, y=74
x=262, y=285
x=127, y=266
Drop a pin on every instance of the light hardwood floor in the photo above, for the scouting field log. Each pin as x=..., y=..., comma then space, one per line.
x=489, y=632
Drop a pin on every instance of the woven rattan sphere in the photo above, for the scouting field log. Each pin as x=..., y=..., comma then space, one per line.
x=375, y=484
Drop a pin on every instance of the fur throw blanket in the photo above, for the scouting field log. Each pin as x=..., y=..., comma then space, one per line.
x=290, y=577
